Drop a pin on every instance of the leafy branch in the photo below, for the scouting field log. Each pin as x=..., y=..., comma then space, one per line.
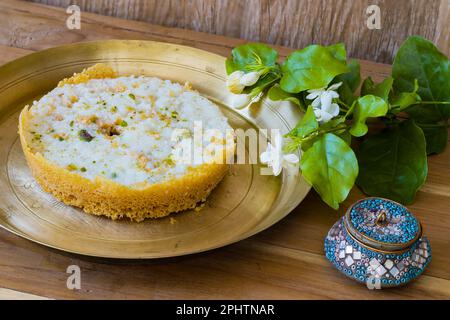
x=412, y=106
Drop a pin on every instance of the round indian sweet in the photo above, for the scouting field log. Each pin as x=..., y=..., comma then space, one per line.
x=124, y=146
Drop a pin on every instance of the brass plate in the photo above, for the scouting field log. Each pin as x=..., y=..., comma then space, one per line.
x=244, y=203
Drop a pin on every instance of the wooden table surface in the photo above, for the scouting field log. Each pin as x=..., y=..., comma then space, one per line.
x=284, y=262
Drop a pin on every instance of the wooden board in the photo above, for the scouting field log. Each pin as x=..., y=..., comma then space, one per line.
x=292, y=23
x=7, y=294
x=285, y=261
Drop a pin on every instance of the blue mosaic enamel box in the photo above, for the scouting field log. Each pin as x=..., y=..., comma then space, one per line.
x=378, y=241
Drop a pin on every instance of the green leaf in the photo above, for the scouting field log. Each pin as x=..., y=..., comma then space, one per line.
x=425, y=113
x=246, y=55
x=330, y=166
x=350, y=82
x=367, y=107
x=419, y=59
x=436, y=137
x=338, y=51
x=346, y=136
x=381, y=89
x=394, y=163
x=346, y=94
x=310, y=68
x=405, y=99
x=307, y=124
x=277, y=94
x=353, y=77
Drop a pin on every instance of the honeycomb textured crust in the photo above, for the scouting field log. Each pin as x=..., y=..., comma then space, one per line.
x=103, y=196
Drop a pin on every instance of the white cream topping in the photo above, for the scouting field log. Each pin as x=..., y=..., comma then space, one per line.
x=120, y=128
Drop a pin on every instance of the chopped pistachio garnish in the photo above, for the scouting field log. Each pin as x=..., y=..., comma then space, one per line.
x=37, y=137
x=72, y=167
x=85, y=136
x=169, y=162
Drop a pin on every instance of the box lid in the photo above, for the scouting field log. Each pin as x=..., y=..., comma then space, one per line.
x=382, y=224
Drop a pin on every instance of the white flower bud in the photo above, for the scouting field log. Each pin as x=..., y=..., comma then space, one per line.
x=250, y=78
x=234, y=84
x=240, y=101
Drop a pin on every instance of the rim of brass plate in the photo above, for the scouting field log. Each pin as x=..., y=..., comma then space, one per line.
x=127, y=249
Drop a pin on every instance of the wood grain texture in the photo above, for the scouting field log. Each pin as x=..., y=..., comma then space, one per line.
x=8, y=294
x=292, y=23
x=285, y=261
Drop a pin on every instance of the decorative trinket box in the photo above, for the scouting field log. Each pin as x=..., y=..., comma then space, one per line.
x=379, y=242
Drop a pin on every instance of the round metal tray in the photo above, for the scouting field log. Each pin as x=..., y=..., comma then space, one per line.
x=244, y=203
